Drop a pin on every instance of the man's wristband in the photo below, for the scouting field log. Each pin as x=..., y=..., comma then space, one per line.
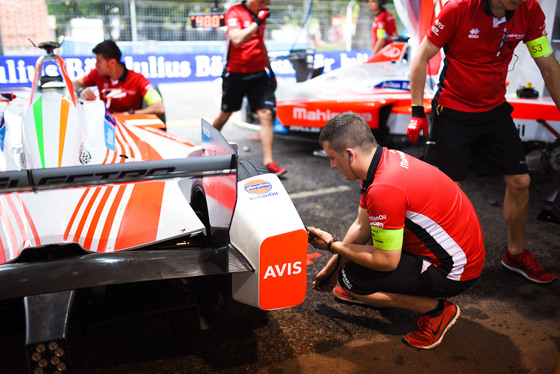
x=418, y=111
x=331, y=244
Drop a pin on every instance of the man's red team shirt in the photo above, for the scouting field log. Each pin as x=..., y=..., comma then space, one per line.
x=250, y=57
x=439, y=220
x=473, y=77
x=135, y=85
x=385, y=21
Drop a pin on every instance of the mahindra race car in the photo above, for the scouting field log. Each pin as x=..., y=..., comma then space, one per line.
x=91, y=200
x=378, y=90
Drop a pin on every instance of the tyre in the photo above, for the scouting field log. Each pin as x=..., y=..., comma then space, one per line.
x=247, y=169
x=214, y=292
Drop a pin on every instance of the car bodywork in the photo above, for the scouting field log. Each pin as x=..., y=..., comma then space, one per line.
x=91, y=199
x=378, y=90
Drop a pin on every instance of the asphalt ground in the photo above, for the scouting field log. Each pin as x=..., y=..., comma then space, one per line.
x=508, y=324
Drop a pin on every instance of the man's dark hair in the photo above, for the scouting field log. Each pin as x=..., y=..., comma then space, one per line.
x=108, y=49
x=347, y=130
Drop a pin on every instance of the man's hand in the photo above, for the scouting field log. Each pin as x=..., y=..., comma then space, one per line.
x=326, y=279
x=417, y=123
x=263, y=14
x=320, y=238
x=87, y=94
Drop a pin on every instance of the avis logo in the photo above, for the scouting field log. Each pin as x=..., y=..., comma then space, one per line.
x=258, y=186
x=289, y=268
x=474, y=33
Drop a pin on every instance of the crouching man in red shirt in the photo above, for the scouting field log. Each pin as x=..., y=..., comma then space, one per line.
x=416, y=241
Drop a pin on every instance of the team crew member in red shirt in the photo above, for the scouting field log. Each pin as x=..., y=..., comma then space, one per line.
x=471, y=119
x=245, y=74
x=384, y=27
x=110, y=72
x=416, y=240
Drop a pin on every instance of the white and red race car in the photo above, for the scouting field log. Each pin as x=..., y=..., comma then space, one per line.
x=378, y=90
x=89, y=200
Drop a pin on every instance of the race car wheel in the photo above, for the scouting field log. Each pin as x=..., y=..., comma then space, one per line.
x=555, y=157
x=198, y=203
x=550, y=158
x=247, y=169
x=214, y=292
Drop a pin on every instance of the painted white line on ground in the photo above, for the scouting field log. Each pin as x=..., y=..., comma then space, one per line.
x=322, y=191
x=196, y=121
x=247, y=125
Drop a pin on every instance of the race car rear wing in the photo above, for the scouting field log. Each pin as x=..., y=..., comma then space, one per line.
x=92, y=175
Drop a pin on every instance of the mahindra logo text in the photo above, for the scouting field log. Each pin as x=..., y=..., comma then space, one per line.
x=324, y=116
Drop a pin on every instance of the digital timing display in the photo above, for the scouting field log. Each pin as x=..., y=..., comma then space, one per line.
x=208, y=20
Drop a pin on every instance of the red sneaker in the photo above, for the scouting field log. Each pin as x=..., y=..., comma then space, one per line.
x=432, y=329
x=340, y=294
x=526, y=264
x=275, y=169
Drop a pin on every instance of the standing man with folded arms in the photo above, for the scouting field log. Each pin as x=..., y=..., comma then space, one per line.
x=471, y=119
x=245, y=74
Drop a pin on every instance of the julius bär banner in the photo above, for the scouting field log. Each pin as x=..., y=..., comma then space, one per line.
x=18, y=71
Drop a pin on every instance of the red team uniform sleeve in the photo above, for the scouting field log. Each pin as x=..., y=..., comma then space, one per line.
x=537, y=23
x=91, y=78
x=144, y=85
x=442, y=30
x=388, y=208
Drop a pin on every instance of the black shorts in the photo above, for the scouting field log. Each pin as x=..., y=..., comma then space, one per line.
x=490, y=140
x=407, y=279
x=256, y=86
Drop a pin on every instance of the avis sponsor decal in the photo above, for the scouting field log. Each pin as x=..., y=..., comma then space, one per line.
x=282, y=270
x=259, y=189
